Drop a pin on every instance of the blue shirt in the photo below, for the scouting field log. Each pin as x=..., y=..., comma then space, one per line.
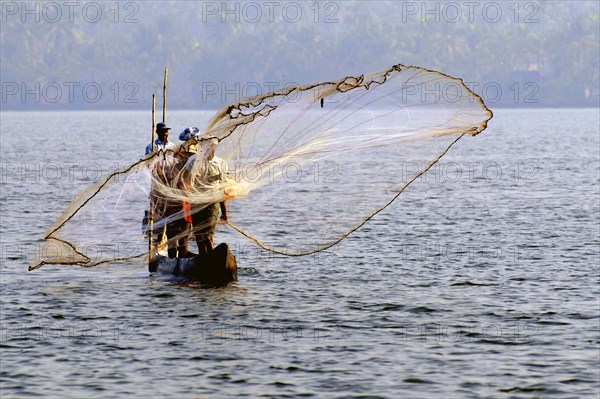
x=159, y=145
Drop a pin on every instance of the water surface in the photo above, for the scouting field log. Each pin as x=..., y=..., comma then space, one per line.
x=480, y=281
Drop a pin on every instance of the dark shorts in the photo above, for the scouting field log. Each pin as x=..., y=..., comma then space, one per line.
x=178, y=227
x=204, y=221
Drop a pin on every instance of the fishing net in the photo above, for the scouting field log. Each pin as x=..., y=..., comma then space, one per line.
x=299, y=169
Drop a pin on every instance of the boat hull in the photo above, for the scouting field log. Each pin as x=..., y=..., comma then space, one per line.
x=217, y=267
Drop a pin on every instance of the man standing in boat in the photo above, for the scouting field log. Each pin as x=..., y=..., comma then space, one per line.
x=166, y=174
x=162, y=142
x=207, y=173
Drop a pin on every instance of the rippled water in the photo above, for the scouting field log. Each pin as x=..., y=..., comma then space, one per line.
x=480, y=281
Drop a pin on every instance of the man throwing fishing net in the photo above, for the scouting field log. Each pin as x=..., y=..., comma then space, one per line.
x=167, y=210
x=207, y=174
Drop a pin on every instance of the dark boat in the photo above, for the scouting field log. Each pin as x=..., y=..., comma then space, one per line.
x=217, y=267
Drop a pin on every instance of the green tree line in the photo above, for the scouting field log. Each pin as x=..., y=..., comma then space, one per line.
x=537, y=53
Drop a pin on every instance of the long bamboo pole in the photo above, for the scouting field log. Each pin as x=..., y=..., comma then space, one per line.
x=151, y=217
x=165, y=96
x=153, y=121
x=164, y=119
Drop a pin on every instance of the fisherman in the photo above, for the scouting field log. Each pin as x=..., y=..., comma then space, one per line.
x=187, y=135
x=167, y=174
x=162, y=142
x=207, y=172
x=178, y=229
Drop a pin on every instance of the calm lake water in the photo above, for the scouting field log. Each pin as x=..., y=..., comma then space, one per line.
x=481, y=280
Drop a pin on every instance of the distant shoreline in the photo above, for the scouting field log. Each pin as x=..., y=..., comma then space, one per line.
x=85, y=109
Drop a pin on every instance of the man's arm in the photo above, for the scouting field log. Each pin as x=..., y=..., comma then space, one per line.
x=223, y=206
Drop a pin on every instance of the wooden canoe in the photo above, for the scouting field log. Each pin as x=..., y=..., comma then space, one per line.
x=217, y=267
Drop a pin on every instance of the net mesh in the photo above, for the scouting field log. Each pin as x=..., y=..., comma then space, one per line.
x=300, y=169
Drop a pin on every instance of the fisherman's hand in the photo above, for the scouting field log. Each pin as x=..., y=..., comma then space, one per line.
x=224, y=217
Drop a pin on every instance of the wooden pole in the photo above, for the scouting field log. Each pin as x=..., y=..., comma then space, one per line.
x=151, y=216
x=164, y=119
x=165, y=96
x=153, y=121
